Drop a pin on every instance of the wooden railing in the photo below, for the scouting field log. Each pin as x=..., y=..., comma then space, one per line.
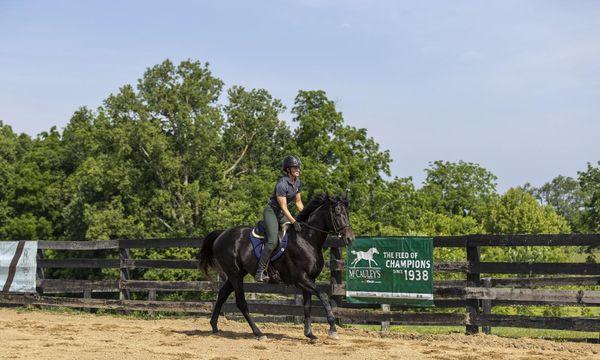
x=476, y=294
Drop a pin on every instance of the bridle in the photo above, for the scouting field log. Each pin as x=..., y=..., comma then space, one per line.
x=336, y=231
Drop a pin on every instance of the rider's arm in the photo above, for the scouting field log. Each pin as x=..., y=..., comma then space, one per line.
x=283, y=204
x=298, y=201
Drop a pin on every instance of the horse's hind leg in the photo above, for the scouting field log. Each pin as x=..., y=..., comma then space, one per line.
x=224, y=293
x=240, y=300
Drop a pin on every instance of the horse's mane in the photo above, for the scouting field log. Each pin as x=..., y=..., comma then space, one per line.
x=312, y=205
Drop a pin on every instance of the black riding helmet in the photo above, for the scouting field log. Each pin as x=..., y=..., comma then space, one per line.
x=290, y=161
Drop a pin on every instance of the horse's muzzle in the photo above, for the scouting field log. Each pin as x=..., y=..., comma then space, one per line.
x=348, y=236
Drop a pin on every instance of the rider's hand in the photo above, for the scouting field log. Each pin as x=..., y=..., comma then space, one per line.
x=297, y=226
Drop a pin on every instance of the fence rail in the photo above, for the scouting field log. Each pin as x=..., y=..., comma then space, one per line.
x=474, y=294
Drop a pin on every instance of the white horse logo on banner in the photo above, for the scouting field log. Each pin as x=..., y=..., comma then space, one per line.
x=365, y=255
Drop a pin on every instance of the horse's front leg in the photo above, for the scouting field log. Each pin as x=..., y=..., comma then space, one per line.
x=330, y=318
x=310, y=287
x=307, y=302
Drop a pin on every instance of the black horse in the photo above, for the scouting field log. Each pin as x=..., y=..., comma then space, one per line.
x=232, y=253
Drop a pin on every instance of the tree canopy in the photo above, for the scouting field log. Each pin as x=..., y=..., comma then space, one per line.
x=172, y=156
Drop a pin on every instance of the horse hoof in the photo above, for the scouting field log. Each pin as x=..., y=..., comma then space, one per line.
x=334, y=335
x=216, y=331
x=313, y=340
x=261, y=338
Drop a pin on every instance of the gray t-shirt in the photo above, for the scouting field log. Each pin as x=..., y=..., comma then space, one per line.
x=285, y=187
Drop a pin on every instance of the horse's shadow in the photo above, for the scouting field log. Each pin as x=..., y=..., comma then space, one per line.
x=232, y=335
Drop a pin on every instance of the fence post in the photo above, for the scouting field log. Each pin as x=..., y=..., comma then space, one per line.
x=385, y=325
x=87, y=294
x=298, y=301
x=40, y=272
x=124, y=291
x=486, y=305
x=473, y=280
x=336, y=275
x=151, y=297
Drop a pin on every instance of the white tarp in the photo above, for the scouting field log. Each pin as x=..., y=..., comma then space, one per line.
x=19, y=278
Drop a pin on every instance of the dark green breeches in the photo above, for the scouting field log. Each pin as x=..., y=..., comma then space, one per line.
x=272, y=220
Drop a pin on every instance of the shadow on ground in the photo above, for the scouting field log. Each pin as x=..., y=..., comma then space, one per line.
x=232, y=334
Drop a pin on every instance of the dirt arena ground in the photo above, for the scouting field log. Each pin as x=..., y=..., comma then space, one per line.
x=52, y=335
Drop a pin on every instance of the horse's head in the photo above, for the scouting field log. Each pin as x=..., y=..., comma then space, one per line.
x=331, y=214
x=340, y=218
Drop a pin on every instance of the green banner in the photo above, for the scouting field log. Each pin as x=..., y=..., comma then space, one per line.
x=390, y=270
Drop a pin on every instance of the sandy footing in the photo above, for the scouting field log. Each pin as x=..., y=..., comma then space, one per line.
x=38, y=335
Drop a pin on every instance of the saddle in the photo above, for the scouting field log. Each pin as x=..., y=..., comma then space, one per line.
x=259, y=231
x=257, y=238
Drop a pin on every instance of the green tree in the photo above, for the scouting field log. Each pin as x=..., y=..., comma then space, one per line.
x=589, y=181
x=149, y=157
x=390, y=209
x=336, y=156
x=30, y=196
x=564, y=194
x=461, y=188
x=435, y=224
x=8, y=158
x=253, y=143
x=518, y=212
x=253, y=134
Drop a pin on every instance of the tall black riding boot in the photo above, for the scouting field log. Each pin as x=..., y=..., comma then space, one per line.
x=261, y=272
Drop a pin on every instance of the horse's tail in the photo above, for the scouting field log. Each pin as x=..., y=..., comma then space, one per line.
x=206, y=251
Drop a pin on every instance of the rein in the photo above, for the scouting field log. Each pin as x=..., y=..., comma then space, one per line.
x=334, y=232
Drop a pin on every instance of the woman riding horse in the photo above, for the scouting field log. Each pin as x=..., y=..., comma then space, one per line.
x=276, y=211
x=231, y=252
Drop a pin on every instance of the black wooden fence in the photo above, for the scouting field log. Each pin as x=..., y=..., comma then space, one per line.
x=476, y=294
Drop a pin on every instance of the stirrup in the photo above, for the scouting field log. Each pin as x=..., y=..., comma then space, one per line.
x=262, y=277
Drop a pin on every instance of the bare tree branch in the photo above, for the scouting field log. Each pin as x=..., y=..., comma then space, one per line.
x=240, y=157
x=165, y=223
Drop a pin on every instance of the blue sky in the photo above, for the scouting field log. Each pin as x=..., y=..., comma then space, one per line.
x=511, y=85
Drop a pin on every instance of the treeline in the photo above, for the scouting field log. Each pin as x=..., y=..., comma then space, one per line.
x=170, y=157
